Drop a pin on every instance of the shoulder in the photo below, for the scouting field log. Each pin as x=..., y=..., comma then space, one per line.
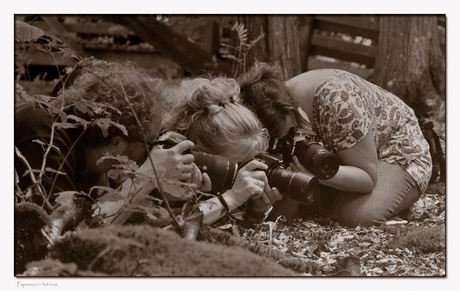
x=30, y=110
x=305, y=85
x=310, y=80
x=31, y=121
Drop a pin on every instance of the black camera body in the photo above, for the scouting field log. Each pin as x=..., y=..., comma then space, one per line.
x=311, y=154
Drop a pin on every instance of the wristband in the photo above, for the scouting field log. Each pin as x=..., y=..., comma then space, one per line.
x=224, y=203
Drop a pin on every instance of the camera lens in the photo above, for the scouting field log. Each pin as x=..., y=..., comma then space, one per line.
x=221, y=171
x=299, y=186
x=317, y=159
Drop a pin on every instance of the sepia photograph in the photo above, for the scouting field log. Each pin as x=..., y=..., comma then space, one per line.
x=246, y=145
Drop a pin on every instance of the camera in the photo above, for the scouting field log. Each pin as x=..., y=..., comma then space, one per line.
x=300, y=186
x=311, y=154
x=220, y=170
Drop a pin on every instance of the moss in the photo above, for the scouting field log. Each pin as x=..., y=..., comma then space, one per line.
x=29, y=219
x=147, y=251
x=422, y=240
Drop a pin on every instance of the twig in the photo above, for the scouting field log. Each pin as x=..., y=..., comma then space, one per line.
x=100, y=255
x=138, y=264
x=66, y=156
x=26, y=163
x=38, y=187
x=163, y=197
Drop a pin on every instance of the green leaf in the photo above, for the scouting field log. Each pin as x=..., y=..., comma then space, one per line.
x=82, y=108
x=26, y=32
x=105, y=123
x=79, y=120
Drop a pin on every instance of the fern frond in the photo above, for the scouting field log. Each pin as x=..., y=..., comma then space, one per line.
x=227, y=45
x=242, y=32
x=232, y=57
x=253, y=42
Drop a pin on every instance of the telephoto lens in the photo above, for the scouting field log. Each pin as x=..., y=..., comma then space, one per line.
x=316, y=159
x=221, y=171
x=299, y=186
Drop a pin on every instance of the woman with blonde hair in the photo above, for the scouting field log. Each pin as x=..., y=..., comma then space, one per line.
x=206, y=111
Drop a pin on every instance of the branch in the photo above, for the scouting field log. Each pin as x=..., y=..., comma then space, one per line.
x=172, y=44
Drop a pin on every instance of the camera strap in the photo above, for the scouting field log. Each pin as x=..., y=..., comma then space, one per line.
x=307, y=128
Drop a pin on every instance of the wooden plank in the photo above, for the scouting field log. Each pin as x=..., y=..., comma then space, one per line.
x=340, y=55
x=346, y=26
x=348, y=47
x=331, y=47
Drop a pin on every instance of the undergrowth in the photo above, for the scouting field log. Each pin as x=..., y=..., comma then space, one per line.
x=421, y=239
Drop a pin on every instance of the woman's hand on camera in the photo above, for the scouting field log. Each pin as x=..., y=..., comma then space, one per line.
x=171, y=163
x=251, y=182
x=202, y=181
x=259, y=205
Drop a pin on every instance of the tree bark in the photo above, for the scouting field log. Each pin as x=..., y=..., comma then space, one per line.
x=410, y=62
x=306, y=23
x=280, y=46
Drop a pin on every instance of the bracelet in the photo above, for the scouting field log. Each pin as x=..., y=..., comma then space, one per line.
x=224, y=203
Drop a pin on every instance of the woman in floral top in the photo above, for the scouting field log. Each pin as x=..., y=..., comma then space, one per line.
x=385, y=160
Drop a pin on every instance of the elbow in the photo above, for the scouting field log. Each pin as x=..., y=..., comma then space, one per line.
x=373, y=179
x=370, y=186
x=369, y=181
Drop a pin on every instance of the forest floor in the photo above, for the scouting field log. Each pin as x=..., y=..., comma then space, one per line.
x=400, y=248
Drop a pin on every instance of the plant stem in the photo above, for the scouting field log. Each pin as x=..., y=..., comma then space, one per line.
x=163, y=197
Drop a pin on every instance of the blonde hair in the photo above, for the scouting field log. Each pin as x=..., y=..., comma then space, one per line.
x=206, y=111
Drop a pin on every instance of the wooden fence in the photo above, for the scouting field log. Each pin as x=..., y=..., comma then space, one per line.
x=352, y=38
x=349, y=38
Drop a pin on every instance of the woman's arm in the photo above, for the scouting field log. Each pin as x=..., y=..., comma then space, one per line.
x=214, y=210
x=359, y=167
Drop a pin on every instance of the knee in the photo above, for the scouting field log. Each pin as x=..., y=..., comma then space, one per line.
x=354, y=216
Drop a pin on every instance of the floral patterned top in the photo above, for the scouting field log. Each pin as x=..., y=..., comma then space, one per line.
x=346, y=107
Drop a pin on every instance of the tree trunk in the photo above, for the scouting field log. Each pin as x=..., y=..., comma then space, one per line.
x=306, y=23
x=410, y=62
x=280, y=46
